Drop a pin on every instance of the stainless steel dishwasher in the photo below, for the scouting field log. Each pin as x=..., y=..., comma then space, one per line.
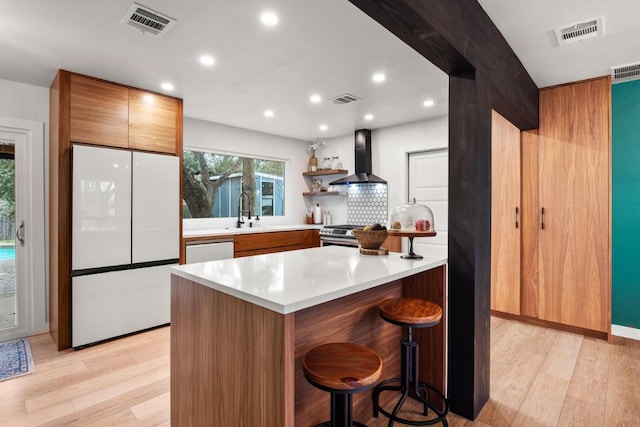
x=209, y=250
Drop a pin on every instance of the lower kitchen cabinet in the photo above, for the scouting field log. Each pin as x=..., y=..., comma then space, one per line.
x=264, y=243
x=107, y=305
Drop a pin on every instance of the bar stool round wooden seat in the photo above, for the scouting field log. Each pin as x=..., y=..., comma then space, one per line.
x=342, y=369
x=411, y=313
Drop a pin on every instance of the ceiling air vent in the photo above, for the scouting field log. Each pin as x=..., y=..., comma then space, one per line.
x=345, y=98
x=580, y=31
x=148, y=20
x=625, y=73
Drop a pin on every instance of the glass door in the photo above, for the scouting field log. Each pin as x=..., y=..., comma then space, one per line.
x=13, y=238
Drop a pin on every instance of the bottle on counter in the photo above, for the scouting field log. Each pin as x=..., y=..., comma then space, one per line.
x=317, y=214
x=327, y=218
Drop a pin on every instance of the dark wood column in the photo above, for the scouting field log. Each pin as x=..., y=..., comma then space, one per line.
x=458, y=37
x=469, y=243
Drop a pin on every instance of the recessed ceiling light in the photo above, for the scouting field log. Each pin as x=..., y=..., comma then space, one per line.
x=368, y=117
x=323, y=127
x=207, y=60
x=315, y=98
x=268, y=113
x=379, y=77
x=428, y=103
x=167, y=86
x=269, y=19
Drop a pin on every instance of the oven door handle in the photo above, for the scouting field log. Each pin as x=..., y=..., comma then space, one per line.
x=339, y=241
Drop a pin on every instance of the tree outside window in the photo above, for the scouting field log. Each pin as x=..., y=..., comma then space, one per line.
x=212, y=184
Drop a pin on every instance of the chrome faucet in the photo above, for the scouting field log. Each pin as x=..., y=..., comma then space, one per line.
x=240, y=220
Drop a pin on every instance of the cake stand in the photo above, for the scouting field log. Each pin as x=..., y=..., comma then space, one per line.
x=411, y=235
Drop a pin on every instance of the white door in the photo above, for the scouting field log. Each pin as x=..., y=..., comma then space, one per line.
x=101, y=220
x=14, y=238
x=155, y=210
x=429, y=185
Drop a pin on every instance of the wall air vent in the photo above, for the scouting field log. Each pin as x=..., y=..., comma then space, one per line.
x=148, y=20
x=580, y=31
x=625, y=73
x=345, y=98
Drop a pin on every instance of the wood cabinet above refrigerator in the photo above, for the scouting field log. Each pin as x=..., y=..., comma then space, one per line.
x=113, y=115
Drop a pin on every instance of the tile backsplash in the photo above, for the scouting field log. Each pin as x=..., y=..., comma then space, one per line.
x=367, y=204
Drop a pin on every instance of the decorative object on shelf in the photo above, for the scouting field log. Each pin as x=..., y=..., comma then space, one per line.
x=326, y=163
x=336, y=163
x=313, y=160
x=316, y=185
x=411, y=220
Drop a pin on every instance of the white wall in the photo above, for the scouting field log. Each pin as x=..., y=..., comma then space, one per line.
x=27, y=102
x=390, y=148
x=389, y=151
x=209, y=136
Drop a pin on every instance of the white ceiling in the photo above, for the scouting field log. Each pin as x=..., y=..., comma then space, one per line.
x=327, y=47
x=528, y=27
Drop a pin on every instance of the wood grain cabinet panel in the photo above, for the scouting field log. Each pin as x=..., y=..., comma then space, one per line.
x=564, y=248
x=152, y=122
x=264, y=243
x=530, y=256
x=505, y=216
x=99, y=112
x=575, y=144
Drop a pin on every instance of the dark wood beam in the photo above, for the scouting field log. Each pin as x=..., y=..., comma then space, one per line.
x=458, y=37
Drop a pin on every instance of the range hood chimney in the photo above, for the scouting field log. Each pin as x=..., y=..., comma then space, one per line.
x=362, y=173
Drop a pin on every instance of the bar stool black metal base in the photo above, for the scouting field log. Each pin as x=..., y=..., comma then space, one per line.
x=410, y=386
x=341, y=412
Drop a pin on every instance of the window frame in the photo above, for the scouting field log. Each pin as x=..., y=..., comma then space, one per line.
x=200, y=224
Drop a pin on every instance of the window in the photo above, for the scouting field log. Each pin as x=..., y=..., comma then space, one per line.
x=213, y=184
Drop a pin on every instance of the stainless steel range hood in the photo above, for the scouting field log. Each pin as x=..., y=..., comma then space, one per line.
x=362, y=173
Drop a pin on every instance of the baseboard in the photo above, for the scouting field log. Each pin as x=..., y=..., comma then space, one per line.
x=626, y=332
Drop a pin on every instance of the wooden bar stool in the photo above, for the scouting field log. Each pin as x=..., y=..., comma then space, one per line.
x=410, y=313
x=342, y=369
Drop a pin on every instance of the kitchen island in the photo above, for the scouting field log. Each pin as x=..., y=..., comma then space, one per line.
x=240, y=327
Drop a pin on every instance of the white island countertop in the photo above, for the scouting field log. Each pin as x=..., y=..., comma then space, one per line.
x=286, y=282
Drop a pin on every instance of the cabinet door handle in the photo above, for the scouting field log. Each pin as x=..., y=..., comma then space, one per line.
x=542, y=218
x=517, y=212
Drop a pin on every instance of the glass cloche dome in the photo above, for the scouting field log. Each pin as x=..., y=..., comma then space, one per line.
x=411, y=217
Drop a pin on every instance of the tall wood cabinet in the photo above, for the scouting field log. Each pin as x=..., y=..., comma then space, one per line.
x=505, y=215
x=86, y=110
x=574, y=173
x=566, y=225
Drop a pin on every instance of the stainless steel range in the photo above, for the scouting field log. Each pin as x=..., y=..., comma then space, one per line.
x=338, y=235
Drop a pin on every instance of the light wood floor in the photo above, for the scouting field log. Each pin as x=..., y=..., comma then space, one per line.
x=539, y=377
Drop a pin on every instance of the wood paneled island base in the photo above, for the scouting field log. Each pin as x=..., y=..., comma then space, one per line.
x=236, y=363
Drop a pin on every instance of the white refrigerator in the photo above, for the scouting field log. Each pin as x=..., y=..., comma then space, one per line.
x=125, y=235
